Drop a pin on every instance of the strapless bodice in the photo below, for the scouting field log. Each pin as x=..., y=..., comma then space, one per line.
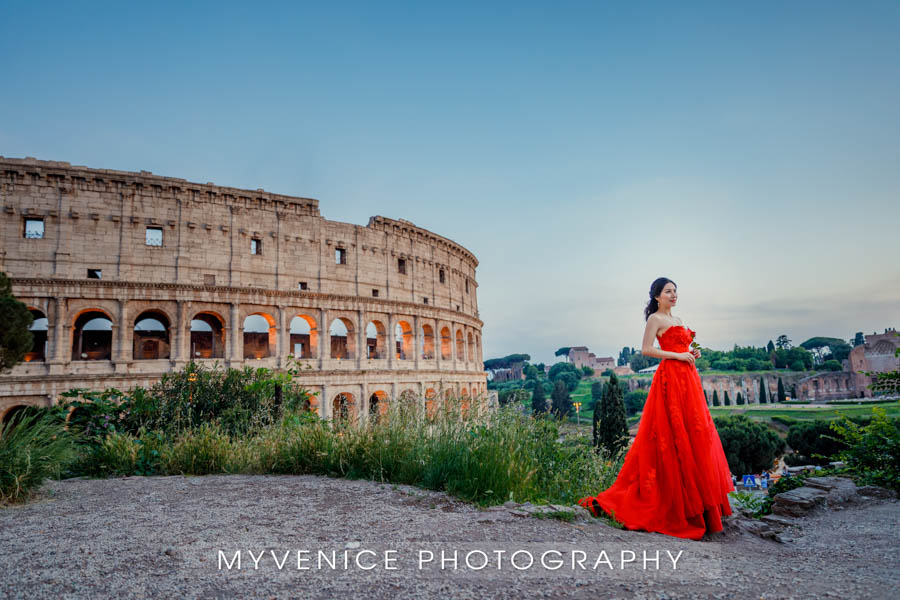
x=676, y=338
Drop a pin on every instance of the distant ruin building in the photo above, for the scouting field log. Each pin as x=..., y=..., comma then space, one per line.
x=132, y=275
x=580, y=356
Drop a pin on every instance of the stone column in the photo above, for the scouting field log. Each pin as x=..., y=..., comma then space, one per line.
x=283, y=338
x=324, y=338
x=391, y=341
x=287, y=348
x=58, y=334
x=123, y=352
x=438, y=345
x=417, y=351
x=325, y=403
x=360, y=340
x=181, y=335
x=235, y=340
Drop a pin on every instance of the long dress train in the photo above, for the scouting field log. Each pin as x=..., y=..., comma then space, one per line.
x=675, y=479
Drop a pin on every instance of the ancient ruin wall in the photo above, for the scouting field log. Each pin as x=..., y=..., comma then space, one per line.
x=181, y=249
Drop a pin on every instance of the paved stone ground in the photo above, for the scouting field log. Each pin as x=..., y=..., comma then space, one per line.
x=161, y=536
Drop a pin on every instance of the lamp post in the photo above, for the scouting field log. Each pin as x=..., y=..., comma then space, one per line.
x=577, y=412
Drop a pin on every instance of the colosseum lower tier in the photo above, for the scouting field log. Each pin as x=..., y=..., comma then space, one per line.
x=131, y=275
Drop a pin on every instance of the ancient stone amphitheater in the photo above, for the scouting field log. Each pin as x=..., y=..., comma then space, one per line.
x=131, y=275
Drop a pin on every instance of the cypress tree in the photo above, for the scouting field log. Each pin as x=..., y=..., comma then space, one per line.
x=596, y=406
x=613, y=429
x=794, y=395
x=538, y=399
x=562, y=404
x=727, y=401
x=739, y=400
x=715, y=397
x=763, y=396
x=15, y=319
x=781, y=395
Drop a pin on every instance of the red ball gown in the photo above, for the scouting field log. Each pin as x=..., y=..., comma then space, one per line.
x=675, y=479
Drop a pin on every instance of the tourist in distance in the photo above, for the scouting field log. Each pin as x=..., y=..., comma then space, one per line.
x=675, y=479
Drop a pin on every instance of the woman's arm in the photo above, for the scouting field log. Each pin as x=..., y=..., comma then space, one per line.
x=648, y=349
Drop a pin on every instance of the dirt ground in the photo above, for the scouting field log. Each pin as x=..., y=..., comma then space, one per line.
x=150, y=537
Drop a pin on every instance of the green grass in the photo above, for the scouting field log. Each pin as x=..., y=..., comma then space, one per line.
x=765, y=412
x=503, y=456
x=33, y=447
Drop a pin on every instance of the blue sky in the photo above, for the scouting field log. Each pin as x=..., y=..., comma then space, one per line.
x=579, y=149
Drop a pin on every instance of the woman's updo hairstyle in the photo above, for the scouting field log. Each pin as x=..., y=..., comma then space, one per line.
x=656, y=289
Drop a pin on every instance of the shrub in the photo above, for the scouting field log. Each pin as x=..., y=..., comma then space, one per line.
x=812, y=444
x=873, y=451
x=749, y=447
x=33, y=447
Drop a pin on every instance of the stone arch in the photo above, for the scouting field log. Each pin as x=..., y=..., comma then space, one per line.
x=378, y=405
x=304, y=336
x=260, y=335
x=427, y=341
x=376, y=339
x=38, y=328
x=431, y=401
x=404, y=340
x=92, y=336
x=343, y=409
x=151, y=335
x=460, y=348
x=341, y=333
x=471, y=347
x=17, y=410
x=446, y=344
x=207, y=331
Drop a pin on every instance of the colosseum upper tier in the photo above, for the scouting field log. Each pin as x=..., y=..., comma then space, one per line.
x=131, y=275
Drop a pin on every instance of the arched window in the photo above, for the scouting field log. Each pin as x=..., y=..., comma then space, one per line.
x=92, y=337
x=260, y=336
x=460, y=347
x=151, y=336
x=38, y=328
x=207, y=336
x=375, y=340
x=427, y=342
x=341, y=331
x=304, y=337
x=446, y=342
x=404, y=343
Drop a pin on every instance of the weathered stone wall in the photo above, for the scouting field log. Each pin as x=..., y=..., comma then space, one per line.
x=98, y=220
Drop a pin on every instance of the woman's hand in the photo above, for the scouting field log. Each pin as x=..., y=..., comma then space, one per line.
x=687, y=357
x=696, y=352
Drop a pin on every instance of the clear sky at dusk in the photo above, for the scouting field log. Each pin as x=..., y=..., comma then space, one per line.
x=580, y=149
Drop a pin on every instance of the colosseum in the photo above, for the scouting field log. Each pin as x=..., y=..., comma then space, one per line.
x=131, y=275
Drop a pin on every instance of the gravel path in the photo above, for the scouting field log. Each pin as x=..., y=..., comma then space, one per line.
x=142, y=537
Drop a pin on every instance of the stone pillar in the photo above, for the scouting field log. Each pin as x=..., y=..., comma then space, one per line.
x=286, y=347
x=363, y=405
x=324, y=338
x=236, y=339
x=360, y=340
x=391, y=341
x=123, y=350
x=58, y=335
x=283, y=338
x=417, y=350
x=325, y=404
x=182, y=335
x=438, y=345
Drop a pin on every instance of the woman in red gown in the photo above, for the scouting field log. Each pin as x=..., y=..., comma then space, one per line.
x=675, y=479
